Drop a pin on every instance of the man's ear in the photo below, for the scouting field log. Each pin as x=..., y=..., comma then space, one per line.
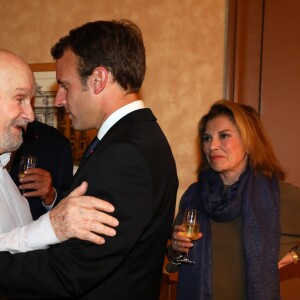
x=98, y=79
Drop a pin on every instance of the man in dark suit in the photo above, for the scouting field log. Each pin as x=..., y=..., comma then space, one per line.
x=100, y=68
x=54, y=167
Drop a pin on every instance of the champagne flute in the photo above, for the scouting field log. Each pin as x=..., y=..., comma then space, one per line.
x=190, y=223
x=26, y=162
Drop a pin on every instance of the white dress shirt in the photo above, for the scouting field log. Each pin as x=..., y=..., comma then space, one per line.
x=18, y=233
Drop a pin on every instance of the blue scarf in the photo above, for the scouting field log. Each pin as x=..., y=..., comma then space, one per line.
x=256, y=198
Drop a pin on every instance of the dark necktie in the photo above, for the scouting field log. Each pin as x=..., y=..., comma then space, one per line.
x=90, y=149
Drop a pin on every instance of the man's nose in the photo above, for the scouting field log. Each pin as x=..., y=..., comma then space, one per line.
x=28, y=113
x=60, y=98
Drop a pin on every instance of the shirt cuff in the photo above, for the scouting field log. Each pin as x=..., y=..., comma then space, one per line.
x=39, y=234
x=49, y=207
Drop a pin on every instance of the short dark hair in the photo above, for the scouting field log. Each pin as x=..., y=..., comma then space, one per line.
x=115, y=45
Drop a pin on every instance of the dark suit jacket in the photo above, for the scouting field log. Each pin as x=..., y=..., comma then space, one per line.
x=134, y=169
x=53, y=151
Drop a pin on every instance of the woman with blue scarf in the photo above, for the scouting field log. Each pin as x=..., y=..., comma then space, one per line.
x=237, y=194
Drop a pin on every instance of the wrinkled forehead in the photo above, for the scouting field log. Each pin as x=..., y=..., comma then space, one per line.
x=17, y=78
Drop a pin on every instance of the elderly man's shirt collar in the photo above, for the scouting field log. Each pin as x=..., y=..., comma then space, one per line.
x=4, y=159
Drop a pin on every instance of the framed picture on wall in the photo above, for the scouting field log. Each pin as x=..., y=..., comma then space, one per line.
x=44, y=108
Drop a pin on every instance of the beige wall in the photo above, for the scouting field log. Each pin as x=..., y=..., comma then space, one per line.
x=185, y=54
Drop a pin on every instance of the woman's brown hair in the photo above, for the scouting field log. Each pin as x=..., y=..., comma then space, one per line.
x=261, y=155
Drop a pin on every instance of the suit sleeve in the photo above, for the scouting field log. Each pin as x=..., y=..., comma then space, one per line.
x=121, y=175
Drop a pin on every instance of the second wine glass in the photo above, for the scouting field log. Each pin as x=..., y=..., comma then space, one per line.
x=190, y=223
x=26, y=162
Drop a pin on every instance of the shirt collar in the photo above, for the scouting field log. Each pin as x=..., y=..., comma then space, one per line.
x=119, y=114
x=4, y=159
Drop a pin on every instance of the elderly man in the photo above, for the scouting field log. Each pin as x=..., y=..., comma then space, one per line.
x=76, y=216
x=100, y=67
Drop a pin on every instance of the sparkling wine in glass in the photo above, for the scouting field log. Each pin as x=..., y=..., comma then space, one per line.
x=190, y=223
x=26, y=162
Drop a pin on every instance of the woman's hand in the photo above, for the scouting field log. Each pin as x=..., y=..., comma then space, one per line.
x=286, y=260
x=180, y=243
